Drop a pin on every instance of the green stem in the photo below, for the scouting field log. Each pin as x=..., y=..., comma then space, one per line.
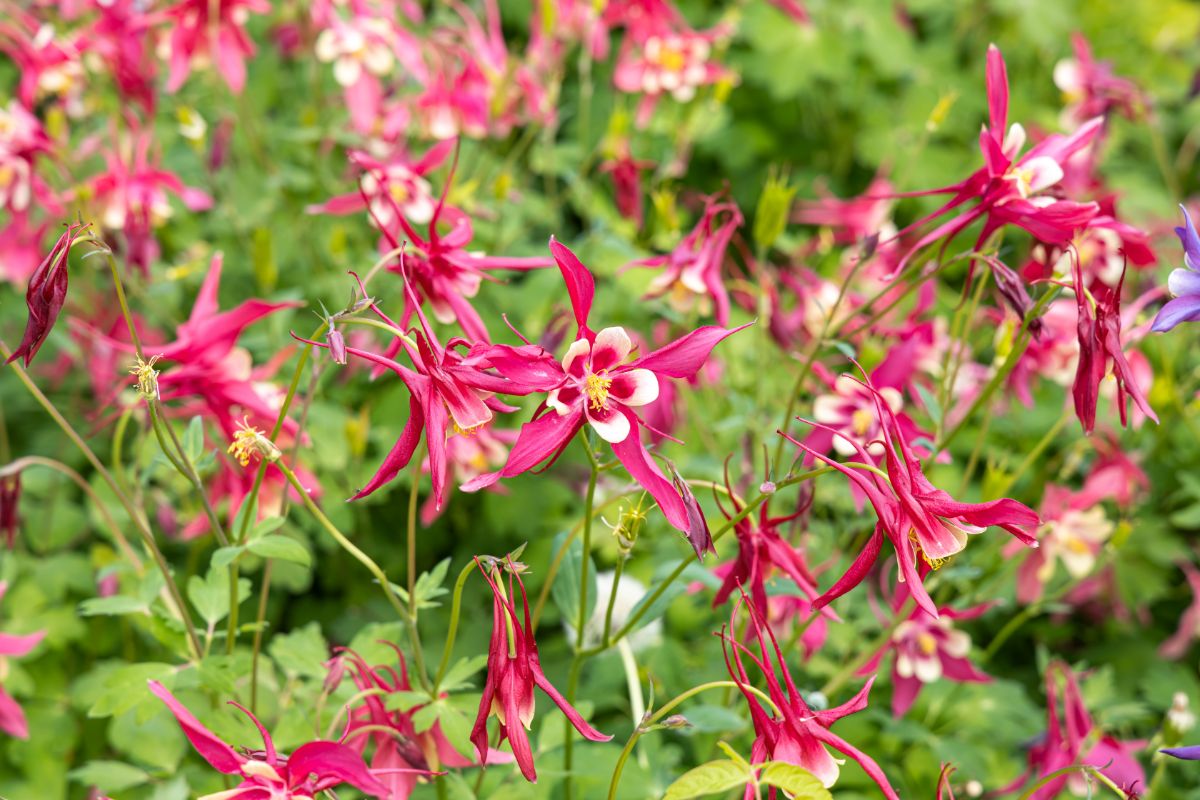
x=264, y=592
x=410, y=619
x=135, y=516
x=654, y=718
x=452, y=633
x=612, y=598
x=173, y=449
x=581, y=619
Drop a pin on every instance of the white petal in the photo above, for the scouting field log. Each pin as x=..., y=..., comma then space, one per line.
x=615, y=429
x=645, y=387
x=928, y=669
x=611, y=339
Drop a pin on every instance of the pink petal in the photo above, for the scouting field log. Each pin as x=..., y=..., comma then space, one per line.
x=633, y=456
x=13, y=645
x=220, y=755
x=12, y=718
x=684, y=357
x=580, y=284
x=330, y=760
x=997, y=92
x=401, y=452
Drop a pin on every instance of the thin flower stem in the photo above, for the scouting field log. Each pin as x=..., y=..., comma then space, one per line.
x=341, y=539
x=618, y=571
x=58, y=466
x=163, y=431
x=120, y=290
x=264, y=593
x=383, y=326
x=847, y=672
x=410, y=619
x=452, y=632
x=654, y=718
x=582, y=618
x=1086, y=769
x=135, y=516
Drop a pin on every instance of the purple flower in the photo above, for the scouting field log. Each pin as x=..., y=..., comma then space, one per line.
x=1184, y=284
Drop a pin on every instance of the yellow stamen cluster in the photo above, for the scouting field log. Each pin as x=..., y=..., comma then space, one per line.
x=147, y=377
x=934, y=563
x=926, y=644
x=249, y=443
x=597, y=387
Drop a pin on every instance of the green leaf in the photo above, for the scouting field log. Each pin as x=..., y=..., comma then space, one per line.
x=280, y=547
x=125, y=687
x=456, y=677
x=711, y=778
x=930, y=402
x=796, y=781
x=265, y=526
x=301, y=652
x=193, y=440
x=566, y=582
x=112, y=606
x=405, y=701
x=224, y=556
x=109, y=776
x=210, y=595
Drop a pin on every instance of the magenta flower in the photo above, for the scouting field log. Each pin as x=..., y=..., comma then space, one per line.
x=45, y=296
x=1073, y=532
x=1009, y=187
x=1091, y=89
x=1099, y=331
x=49, y=66
x=20, y=248
x=1183, y=283
x=925, y=650
x=798, y=735
x=1072, y=738
x=596, y=385
x=691, y=274
x=449, y=393
x=22, y=141
x=312, y=768
x=675, y=62
x=513, y=670
x=394, y=184
x=212, y=29
x=626, y=173
x=131, y=196
x=12, y=718
x=10, y=494
x=915, y=516
x=120, y=35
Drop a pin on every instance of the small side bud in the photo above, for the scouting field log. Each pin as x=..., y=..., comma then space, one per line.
x=337, y=346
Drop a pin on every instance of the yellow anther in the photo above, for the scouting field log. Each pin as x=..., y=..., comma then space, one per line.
x=597, y=388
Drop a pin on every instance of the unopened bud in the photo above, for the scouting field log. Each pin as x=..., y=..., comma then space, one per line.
x=974, y=789
x=676, y=721
x=337, y=346
x=767, y=487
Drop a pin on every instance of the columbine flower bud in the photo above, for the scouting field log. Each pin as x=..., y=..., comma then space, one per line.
x=1180, y=719
x=337, y=346
x=249, y=443
x=147, y=377
x=10, y=493
x=767, y=487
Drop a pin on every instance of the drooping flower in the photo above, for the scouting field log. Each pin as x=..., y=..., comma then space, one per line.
x=513, y=670
x=449, y=394
x=626, y=173
x=1072, y=738
x=1010, y=189
x=798, y=734
x=597, y=386
x=1091, y=89
x=12, y=718
x=925, y=650
x=400, y=178
x=397, y=743
x=1183, y=283
x=211, y=31
x=45, y=296
x=691, y=276
x=915, y=516
x=1099, y=331
x=10, y=493
x=312, y=768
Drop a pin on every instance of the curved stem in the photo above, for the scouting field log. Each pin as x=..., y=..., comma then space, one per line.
x=666, y=709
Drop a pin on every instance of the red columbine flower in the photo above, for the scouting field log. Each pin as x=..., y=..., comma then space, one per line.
x=513, y=670
x=927, y=649
x=45, y=296
x=1010, y=187
x=449, y=393
x=1073, y=739
x=914, y=515
x=626, y=172
x=597, y=386
x=762, y=551
x=1091, y=89
x=1099, y=331
x=215, y=29
x=798, y=735
x=12, y=718
x=312, y=768
x=10, y=493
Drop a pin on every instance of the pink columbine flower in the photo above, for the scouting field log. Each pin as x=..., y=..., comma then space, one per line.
x=49, y=66
x=395, y=184
x=20, y=248
x=45, y=296
x=513, y=670
x=401, y=754
x=1073, y=532
x=363, y=51
x=915, y=516
x=131, y=196
x=925, y=650
x=211, y=31
x=1072, y=738
x=12, y=718
x=626, y=173
x=1010, y=188
x=312, y=768
x=443, y=272
x=1091, y=89
x=120, y=35
x=22, y=141
x=449, y=393
x=469, y=455
x=691, y=276
x=675, y=62
x=800, y=735
x=598, y=385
